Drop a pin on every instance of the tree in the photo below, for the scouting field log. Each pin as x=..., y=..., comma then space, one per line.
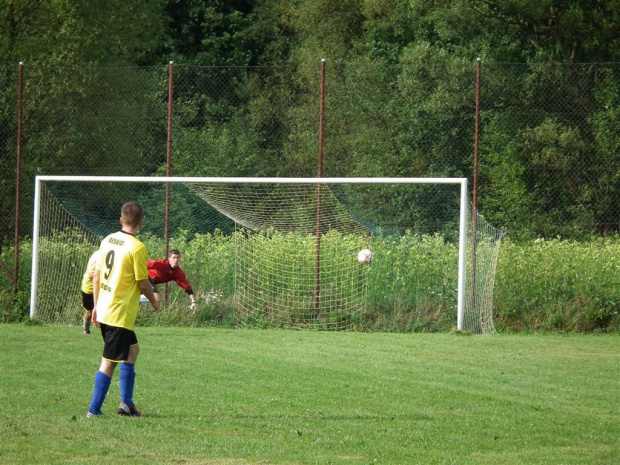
x=73, y=113
x=572, y=31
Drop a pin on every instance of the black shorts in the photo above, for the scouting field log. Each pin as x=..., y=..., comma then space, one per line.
x=88, y=301
x=154, y=286
x=116, y=342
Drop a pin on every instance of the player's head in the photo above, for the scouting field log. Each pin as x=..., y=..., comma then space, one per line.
x=174, y=258
x=131, y=214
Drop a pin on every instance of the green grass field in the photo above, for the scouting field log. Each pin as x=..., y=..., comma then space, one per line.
x=220, y=396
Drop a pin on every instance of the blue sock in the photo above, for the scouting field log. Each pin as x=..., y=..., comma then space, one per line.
x=102, y=384
x=127, y=378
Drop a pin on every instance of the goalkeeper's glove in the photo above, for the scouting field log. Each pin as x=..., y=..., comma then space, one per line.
x=193, y=305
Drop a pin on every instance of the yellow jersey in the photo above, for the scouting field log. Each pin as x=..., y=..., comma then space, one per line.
x=121, y=264
x=87, y=279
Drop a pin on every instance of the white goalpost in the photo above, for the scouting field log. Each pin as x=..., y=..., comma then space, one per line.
x=294, y=239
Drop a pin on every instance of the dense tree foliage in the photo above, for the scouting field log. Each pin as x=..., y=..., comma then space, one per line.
x=72, y=121
x=400, y=95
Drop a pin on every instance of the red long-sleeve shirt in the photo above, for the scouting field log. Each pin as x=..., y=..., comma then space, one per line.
x=161, y=272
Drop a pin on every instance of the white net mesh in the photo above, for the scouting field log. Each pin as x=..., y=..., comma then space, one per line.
x=483, y=241
x=64, y=247
x=287, y=275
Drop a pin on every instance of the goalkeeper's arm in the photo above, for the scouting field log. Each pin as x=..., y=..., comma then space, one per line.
x=182, y=281
x=192, y=296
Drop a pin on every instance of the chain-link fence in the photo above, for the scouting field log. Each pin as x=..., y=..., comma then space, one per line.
x=550, y=148
x=8, y=179
x=549, y=133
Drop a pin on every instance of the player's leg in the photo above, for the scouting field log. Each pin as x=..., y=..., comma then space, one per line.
x=115, y=348
x=155, y=291
x=103, y=378
x=88, y=304
x=86, y=322
x=144, y=300
x=128, y=376
x=127, y=381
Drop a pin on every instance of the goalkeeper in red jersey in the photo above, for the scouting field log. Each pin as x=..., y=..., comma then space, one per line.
x=163, y=271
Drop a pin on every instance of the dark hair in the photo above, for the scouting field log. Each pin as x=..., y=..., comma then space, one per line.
x=174, y=252
x=132, y=214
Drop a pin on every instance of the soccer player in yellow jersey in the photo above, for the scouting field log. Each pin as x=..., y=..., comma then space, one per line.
x=87, y=291
x=120, y=277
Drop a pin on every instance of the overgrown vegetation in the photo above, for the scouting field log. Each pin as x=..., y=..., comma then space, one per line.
x=556, y=285
x=559, y=285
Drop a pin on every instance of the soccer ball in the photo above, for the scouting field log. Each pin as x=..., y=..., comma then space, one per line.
x=364, y=256
x=143, y=299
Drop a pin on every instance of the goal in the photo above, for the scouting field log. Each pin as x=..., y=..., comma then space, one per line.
x=282, y=252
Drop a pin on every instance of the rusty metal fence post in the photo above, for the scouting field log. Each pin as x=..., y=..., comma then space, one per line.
x=168, y=167
x=317, y=259
x=18, y=176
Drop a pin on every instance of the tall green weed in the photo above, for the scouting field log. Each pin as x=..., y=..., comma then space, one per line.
x=559, y=285
x=544, y=285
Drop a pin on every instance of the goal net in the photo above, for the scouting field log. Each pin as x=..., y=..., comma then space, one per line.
x=281, y=252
